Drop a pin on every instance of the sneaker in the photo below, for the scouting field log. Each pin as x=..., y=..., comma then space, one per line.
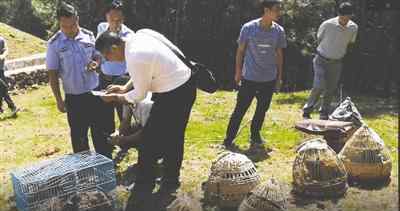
x=306, y=116
x=14, y=111
x=228, y=145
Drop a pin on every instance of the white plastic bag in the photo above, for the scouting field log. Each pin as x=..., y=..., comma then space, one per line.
x=142, y=110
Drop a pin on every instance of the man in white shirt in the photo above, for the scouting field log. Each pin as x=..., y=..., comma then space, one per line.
x=334, y=36
x=158, y=70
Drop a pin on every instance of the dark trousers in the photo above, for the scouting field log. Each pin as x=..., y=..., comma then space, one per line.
x=4, y=91
x=326, y=77
x=164, y=136
x=263, y=92
x=87, y=111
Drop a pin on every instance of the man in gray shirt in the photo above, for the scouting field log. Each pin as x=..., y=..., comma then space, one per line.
x=259, y=64
x=3, y=83
x=334, y=36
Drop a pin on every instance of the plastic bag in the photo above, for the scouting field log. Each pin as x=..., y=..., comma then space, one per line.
x=347, y=112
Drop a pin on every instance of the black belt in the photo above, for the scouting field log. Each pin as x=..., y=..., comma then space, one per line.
x=112, y=77
x=327, y=59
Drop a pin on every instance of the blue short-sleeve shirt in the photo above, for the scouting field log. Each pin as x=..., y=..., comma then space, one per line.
x=70, y=57
x=114, y=68
x=260, y=56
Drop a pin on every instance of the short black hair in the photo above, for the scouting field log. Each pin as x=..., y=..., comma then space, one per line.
x=114, y=5
x=66, y=10
x=270, y=3
x=346, y=8
x=106, y=40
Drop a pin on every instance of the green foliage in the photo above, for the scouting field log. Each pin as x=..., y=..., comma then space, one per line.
x=21, y=44
x=302, y=19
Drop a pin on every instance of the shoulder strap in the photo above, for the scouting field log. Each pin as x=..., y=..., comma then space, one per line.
x=184, y=59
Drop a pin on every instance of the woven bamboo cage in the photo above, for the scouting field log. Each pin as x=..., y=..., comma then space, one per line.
x=317, y=170
x=267, y=197
x=365, y=156
x=184, y=202
x=232, y=177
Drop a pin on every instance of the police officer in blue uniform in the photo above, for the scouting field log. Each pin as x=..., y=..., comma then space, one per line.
x=114, y=72
x=71, y=56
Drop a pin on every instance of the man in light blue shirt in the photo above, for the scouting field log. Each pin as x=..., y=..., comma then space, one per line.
x=114, y=72
x=72, y=57
x=259, y=64
x=334, y=36
x=115, y=18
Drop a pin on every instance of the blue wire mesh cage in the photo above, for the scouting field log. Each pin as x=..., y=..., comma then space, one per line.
x=82, y=181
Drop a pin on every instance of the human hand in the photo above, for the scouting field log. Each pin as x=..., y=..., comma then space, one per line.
x=114, y=98
x=61, y=106
x=115, y=89
x=238, y=78
x=92, y=66
x=278, y=85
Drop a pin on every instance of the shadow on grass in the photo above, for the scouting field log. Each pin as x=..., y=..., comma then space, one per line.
x=256, y=153
x=8, y=117
x=127, y=178
x=292, y=99
x=369, y=184
x=304, y=201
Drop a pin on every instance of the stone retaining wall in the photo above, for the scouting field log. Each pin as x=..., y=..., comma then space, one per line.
x=25, y=72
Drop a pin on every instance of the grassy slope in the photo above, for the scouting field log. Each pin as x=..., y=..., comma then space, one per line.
x=21, y=44
x=40, y=127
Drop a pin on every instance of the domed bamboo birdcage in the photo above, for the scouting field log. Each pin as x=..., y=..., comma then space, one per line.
x=317, y=170
x=232, y=177
x=266, y=197
x=365, y=156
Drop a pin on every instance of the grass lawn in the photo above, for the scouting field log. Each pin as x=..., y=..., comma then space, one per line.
x=19, y=43
x=40, y=133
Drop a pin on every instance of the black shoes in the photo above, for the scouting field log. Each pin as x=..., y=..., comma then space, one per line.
x=229, y=145
x=257, y=141
x=14, y=111
x=166, y=195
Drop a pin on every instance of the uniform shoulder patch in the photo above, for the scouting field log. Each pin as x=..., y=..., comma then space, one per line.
x=86, y=31
x=54, y=37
